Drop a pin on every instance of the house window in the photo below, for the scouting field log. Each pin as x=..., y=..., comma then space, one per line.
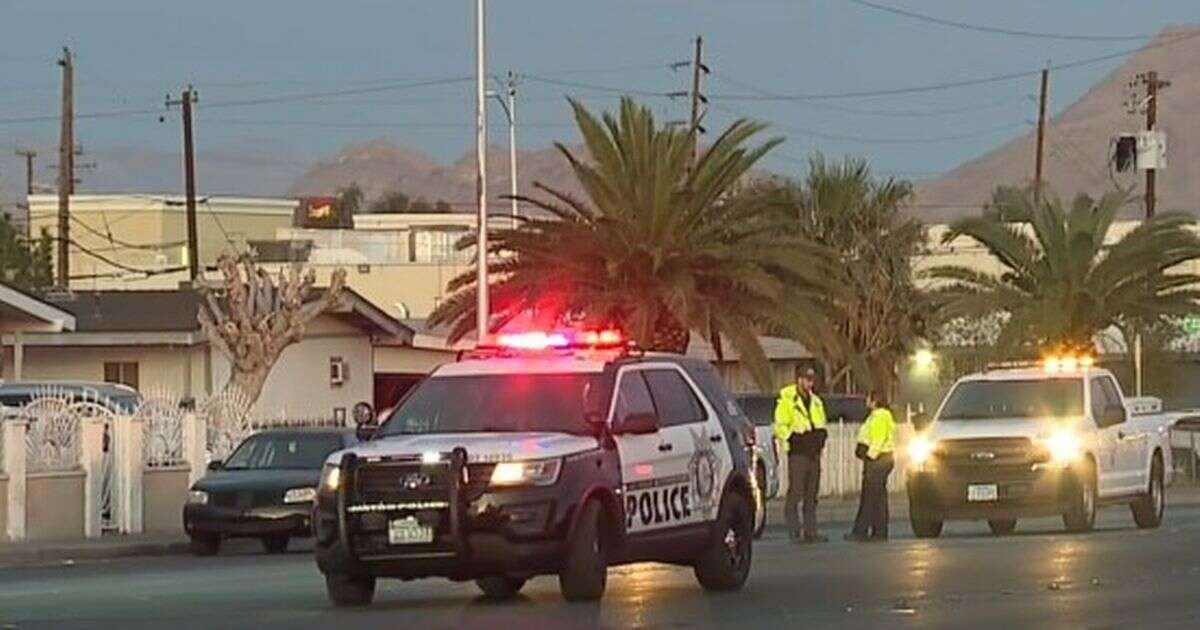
x=125, y=373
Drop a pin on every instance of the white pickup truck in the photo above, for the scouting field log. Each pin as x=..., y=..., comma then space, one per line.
x=1057, y=439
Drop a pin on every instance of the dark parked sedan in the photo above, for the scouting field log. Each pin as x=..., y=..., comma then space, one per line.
x=264, y=490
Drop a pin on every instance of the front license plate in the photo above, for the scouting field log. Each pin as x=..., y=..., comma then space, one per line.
x=982, y=492
x=407, y=531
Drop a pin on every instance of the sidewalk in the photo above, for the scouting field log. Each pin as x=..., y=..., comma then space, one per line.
x=833, y=512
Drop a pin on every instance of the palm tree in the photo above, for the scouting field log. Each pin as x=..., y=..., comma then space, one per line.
x=658, y=247
x=1060, y=284
x=880, y=315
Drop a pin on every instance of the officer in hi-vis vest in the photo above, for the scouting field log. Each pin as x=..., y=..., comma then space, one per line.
x=800, y=430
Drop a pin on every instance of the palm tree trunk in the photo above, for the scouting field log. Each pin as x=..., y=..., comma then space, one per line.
x=669, y=335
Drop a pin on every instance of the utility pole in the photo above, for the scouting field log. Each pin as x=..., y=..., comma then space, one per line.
x=482, y=308
x=28, y=155
x=698, y=67
x=1041, y=138
x=66, y=167
x=1153, y=84
x=186, y=99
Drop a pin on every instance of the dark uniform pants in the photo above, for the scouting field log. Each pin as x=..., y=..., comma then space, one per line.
x=804, y=482
x=872, y=519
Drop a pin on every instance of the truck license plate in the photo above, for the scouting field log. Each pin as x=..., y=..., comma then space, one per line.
x=982, y=492
x=407, y=531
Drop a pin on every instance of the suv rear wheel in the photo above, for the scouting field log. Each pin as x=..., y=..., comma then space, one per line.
x=725, y=563
x=760, y=501
x=1148, y=509
x=1081, y=513
x=349, y=590
x=500, y=586
x=585, y=570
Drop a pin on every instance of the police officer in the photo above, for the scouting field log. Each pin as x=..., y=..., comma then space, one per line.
x=800, y=430
x=876, y=442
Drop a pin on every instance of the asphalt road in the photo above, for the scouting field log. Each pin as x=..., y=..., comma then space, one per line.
x=1115, y=577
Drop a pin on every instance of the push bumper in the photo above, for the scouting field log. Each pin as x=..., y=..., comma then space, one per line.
x=288, y=520
x=517, y=531
x=1025, y=493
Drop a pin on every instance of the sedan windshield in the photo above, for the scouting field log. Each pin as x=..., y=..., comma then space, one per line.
x=991, y=400
x=494, y=403
x=283, y=451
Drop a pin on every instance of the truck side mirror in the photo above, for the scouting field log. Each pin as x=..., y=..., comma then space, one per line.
x=1114, y=414
x=637, y=424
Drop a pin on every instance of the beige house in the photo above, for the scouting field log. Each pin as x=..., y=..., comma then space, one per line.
x=121, y=240
x=151, y=340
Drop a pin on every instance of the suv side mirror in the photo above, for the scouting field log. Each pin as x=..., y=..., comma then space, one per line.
x=1114, y=414
x=215, y=464
x=638, y=424
x=920, y=421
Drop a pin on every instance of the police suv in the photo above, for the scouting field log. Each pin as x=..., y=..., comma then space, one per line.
x=546, y=453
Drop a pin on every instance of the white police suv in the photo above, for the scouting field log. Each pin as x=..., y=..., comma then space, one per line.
x=546, y=453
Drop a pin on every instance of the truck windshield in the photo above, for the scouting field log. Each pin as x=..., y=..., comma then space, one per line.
x=990, y=400
x=494, y=403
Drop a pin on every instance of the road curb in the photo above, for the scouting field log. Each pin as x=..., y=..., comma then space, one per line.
x=72, y=552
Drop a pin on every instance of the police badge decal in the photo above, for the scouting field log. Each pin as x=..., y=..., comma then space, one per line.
x=704, y=470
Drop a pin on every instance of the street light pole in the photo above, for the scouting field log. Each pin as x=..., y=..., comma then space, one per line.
x=509, y=104
x=481, y=246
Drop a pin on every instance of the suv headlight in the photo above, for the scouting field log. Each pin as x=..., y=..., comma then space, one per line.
x=542, y=472
x=1064, y=446
x=198, y=497
x=920, y=449
x=331, y=478
x=300, y=495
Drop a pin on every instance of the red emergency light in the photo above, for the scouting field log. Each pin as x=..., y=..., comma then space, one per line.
x=534, y=340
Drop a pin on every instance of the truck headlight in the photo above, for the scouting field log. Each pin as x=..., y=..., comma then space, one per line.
x=920, y=449
x=331, y=478
x=198, y=497
x=543, y=472
x=1064, y=446
x=300, y=495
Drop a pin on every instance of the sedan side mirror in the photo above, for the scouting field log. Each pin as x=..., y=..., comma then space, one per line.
x=638, y=424
x=920, y=421
x=1114, y=414
x=215, y=464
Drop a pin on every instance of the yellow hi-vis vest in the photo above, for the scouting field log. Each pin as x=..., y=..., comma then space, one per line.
x=791, y=416
x=878, y=433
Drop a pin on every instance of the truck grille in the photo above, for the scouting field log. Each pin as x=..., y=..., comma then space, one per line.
x=990, y=453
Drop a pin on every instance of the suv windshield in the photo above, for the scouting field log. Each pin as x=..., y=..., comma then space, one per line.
x=283, y=451
x=494, y=403
x=990, y=400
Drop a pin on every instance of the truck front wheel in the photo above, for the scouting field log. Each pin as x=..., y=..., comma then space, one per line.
x=1081, y=511
x=1148, y=509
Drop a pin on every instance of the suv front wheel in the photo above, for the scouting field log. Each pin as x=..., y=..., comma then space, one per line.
x=585, y=569
x=725, y=563
x=349, y=590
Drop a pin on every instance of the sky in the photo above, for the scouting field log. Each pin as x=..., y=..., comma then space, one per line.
x=263, y=71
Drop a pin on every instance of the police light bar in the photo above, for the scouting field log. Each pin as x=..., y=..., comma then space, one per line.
x=1067, y=363
x=537, y=340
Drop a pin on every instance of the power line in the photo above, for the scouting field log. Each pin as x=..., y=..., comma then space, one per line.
x=887, y=113
x=935, y=87
x=361, y=124
x=602, y=88
x=994, y=30
x=867, y=140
